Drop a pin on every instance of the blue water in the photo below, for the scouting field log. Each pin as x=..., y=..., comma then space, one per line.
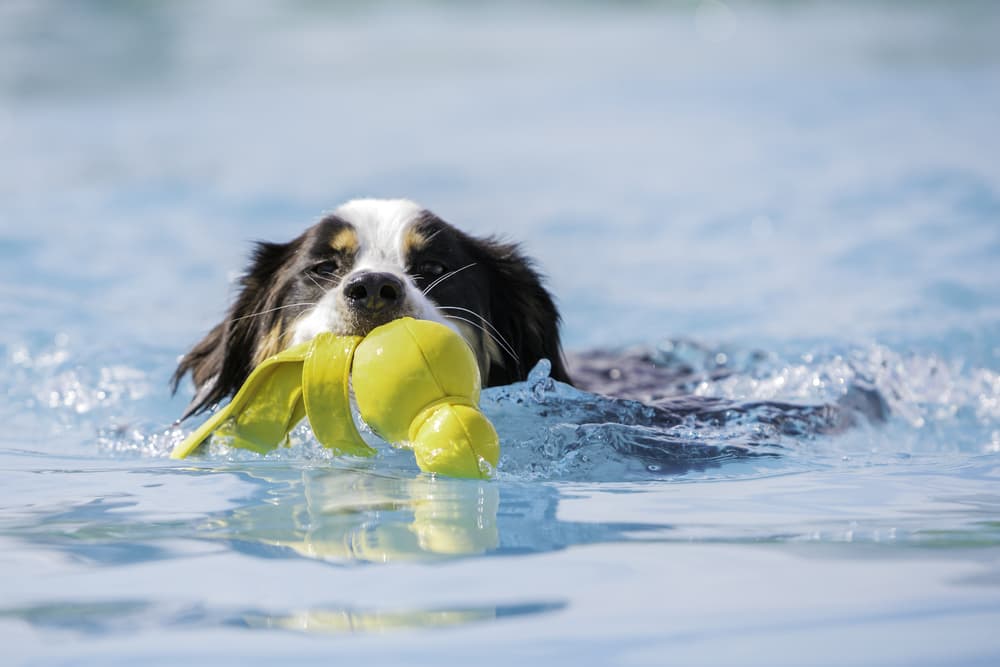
x=748, y=203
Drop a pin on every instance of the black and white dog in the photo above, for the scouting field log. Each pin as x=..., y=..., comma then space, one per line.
x=369, y=262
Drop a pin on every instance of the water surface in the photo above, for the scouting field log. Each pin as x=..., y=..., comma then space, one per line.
x=748, y=204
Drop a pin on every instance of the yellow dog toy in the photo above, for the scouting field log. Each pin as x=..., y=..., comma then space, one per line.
x=415, y=382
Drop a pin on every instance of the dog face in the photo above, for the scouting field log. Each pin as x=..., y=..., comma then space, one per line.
x=369, y=262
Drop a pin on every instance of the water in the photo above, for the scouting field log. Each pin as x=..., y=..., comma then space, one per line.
x=751, y=204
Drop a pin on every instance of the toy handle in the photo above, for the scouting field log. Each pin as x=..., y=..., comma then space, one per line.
x=455, y=439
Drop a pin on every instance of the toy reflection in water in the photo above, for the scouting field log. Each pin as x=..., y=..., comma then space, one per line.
x=340, y=514
x=336, y=621
x=344, y=514
x=447, y=518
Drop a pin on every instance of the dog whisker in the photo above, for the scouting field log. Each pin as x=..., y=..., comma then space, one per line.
x=327, y=279
x=433, y=236
x=446, y=276
x=314, y=281
x=502, y=343
x=508, y=348
x=271, y=310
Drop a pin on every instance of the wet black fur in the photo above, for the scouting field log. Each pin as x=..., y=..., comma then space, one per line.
x=522, y=310
x=505, y=288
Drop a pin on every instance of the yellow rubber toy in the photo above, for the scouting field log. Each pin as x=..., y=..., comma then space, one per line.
x=416, y=382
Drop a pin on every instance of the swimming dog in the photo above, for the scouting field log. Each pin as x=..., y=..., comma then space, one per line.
x=366, y=263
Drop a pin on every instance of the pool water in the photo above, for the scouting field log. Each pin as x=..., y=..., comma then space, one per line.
x=774, y=234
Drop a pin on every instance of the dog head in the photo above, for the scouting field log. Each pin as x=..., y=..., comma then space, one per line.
x=369, y=262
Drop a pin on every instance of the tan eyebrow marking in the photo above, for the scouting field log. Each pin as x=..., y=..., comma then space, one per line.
x=345, y=240
x=414, y=241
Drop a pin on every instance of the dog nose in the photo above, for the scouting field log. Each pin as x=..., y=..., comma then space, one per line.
x=373, y=291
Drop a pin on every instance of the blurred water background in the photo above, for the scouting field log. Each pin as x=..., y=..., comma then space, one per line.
x=748, y=202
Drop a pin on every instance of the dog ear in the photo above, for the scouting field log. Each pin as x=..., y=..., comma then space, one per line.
x=220, y=362
x=523, y=312
x=204, y=363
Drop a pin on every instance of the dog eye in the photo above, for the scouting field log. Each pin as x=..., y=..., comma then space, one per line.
x=430, y=269
x=327, y=268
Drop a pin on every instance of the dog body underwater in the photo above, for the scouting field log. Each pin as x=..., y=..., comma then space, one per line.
x=366, y=263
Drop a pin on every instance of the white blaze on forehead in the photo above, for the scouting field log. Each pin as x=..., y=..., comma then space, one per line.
x=381, y=226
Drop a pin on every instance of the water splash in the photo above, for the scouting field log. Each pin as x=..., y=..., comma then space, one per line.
x=861, y=404
x=674, y=410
